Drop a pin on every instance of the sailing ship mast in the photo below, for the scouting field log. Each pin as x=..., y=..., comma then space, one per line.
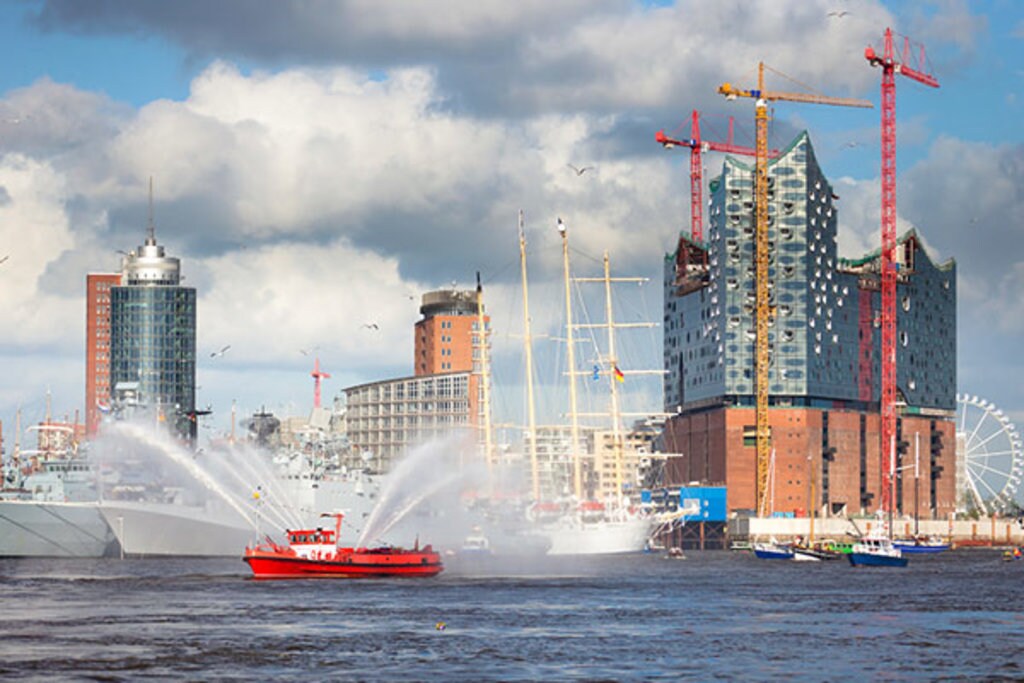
x=615, y=375
x=484, y=378
x=613, y=379
x=528, y=342
x=571, y=359
x=812, y=505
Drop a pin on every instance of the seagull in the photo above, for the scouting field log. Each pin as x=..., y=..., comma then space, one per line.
x=838, y=14
x=851, y=144
x=561, y=226
x=221, y=352
x=371, y=326
x=580, y=171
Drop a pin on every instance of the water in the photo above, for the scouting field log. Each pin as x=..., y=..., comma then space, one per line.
x=714, y=615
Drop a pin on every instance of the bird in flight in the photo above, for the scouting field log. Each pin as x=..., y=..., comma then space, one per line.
x=371, y=326
x=580, y=171
x=851, y=144
x=838, y=14
x=221, y=352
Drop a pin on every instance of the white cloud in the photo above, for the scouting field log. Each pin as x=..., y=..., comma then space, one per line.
x=35, y=233
x=305, y=202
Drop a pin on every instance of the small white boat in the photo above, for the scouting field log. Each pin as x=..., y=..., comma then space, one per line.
x=475, y=544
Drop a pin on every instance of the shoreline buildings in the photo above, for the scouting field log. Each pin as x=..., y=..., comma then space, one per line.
x=444, y=394
x=824, y=351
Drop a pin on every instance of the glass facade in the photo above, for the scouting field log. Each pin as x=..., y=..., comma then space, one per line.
x=824, y=343
x=153, y=343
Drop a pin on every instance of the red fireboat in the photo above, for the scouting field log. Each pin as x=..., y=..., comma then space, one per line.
x=314, y=553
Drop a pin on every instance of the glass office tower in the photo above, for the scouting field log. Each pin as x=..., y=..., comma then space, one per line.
x=153, y=338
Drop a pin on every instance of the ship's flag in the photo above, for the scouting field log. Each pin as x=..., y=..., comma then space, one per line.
x=618, y=374
x=597, y=372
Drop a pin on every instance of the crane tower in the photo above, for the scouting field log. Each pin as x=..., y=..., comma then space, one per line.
x=763, y=310
x=697, y=146
x=890, y=67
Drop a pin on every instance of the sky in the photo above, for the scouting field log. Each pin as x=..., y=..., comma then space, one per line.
x=317, y=166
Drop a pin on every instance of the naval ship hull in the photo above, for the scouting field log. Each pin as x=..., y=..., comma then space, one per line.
x=170, y=529
x=31, y=528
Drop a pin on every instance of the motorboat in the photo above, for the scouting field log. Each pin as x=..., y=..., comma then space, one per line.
x=876, y=552
x=476, y=544
x=920, y=546
x=315, y=553
x=773, y=551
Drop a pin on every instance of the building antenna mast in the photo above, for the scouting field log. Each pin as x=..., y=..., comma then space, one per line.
x=150, y=226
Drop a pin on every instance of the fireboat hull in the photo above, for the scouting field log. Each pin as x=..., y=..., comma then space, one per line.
x=385, y=562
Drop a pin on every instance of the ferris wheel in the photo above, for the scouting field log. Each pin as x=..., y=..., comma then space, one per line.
x=990, y=455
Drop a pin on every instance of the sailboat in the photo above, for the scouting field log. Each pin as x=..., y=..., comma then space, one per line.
x=771, y=549
x=586, y=527
x=876, y=549
x=918, y=544
x=808, y=551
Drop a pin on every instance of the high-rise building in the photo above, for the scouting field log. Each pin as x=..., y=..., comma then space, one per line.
x=97, y=347
x=824, y=352
x=153, y=337
x=443, y=395
x=446, y=336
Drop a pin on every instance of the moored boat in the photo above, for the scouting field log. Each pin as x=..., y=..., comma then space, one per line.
x=773, y=551
x=920, y=546
x=314, y=553
x=476, y=544
x=815, y=553
x=876, y=552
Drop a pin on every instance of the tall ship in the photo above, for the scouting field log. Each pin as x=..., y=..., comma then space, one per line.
x=587, y=521
x=48, y=500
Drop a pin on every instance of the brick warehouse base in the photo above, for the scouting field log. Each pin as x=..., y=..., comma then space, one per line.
x=836, y=449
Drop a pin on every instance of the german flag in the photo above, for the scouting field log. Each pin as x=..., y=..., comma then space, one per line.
x=618, y=374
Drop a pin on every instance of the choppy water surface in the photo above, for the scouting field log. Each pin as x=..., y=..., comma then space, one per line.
x=714, y=615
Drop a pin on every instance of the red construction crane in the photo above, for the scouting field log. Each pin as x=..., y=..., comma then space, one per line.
x=891, y=65
x=317, y=375
x=697, y=146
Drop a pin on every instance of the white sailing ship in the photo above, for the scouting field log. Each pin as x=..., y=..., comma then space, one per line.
x=587, y=527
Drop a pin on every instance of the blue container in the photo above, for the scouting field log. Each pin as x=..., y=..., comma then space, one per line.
x=710, y=499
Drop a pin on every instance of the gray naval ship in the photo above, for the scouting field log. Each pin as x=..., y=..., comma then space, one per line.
x=49, y=502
